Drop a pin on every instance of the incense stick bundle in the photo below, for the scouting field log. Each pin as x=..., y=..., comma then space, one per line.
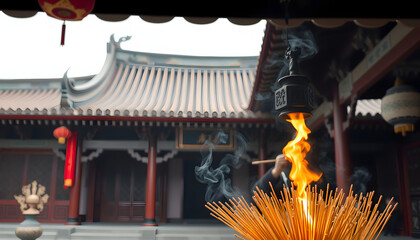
x=322, y=216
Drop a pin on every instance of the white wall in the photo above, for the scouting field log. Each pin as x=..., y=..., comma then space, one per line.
x=175, y=188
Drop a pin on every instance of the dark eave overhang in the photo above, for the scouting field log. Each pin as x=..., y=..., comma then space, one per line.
x=264, y=9
x=133, y=121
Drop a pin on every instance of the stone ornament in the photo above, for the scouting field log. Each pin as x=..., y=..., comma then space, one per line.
x=33, y=199
x=31, y=204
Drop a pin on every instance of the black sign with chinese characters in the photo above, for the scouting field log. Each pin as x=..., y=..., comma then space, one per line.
x=280, y=98
x=197, y=138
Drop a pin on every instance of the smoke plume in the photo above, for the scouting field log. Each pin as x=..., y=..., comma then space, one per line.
x=360, y=178
x=217, y=179
x=324, y=146
x=302, y=38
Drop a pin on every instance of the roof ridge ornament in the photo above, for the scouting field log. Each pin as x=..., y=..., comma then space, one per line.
x=120, y=40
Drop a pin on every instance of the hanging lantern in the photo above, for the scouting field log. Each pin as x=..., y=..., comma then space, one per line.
x=70, y=10
x=62, y=133
x=294, y=94
x=401, y=107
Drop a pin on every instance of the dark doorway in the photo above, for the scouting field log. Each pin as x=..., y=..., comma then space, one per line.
x=123, y=188
x=195, y=191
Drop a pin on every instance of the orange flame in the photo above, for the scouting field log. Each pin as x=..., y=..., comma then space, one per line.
x=295, y=152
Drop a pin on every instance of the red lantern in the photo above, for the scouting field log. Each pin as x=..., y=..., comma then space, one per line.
x=71, y=10
x=62, y=133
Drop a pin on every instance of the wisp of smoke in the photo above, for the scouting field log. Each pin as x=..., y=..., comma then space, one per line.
x=217, y=180
x=360, y=178
x=301, y=37
x=325, y=149
x=263, y=96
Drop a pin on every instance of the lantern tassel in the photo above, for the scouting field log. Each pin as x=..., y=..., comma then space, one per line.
x=63, y=33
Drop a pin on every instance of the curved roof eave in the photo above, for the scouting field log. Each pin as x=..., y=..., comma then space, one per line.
x=78, y=90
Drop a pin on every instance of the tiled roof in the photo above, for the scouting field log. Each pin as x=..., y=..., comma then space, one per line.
x=368, y=107
x=174, y=92
x=135, y=84
x=37, y=101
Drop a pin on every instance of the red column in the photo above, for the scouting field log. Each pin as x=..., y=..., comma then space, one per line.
x=404, y=190
x=262, y=152
x=342, y=153
x=73, y=217
x=149, y=219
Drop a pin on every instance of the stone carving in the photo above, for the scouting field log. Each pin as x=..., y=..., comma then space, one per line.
x=31, y=204
x=33, y=199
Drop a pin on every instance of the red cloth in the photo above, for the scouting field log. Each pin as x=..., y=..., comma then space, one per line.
x=70, y=164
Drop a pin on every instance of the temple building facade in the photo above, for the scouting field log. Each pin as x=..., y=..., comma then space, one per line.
x=147, y=125
x=141, y=126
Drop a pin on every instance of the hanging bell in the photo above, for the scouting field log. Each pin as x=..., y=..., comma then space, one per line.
x=294, y=94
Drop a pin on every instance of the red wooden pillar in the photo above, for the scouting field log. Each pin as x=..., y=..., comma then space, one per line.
x=404, y=190
x=342, y=152
x=262, y=152
x=73, y=216
x=149, y=219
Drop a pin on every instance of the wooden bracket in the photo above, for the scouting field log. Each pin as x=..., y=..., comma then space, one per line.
x=329, y=127
x=351, y=114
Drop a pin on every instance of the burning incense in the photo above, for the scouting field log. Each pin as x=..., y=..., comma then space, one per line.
x=303, y=213
x=324, y=215
x=267, y=160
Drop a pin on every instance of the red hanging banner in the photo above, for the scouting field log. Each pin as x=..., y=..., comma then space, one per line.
x=70, y=164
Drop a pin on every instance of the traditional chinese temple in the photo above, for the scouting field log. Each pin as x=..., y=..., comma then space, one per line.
x=141, y=109
x=139, y=127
